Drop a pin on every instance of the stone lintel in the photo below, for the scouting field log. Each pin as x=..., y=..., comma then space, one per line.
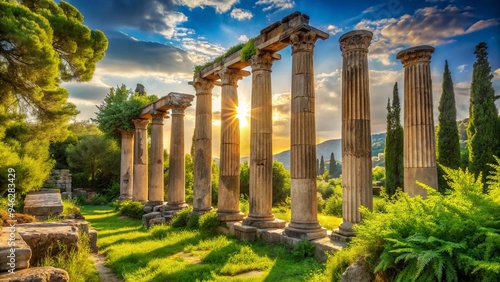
x=165, y=103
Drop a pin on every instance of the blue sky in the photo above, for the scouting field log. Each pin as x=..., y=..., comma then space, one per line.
x=157, y=43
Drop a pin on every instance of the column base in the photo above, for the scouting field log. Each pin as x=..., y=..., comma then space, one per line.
x=201, y=211
x=230, y=216
x=175, y=206
x=123, y=198
x=305, y=231
x=154, y=203
x=264, y=223
x=346, y=229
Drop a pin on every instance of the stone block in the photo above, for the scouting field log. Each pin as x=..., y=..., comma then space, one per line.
x=306, y=234
x=323, y=247
x=158, y=208
x=157, y=221
x=22, y=251
x=276, y=223
x=36, y=274
x=147, y=217
x=245, y=232
x=148, y=209
x=222, y=230
x=43, y=203
x=93, y=241
x=272, y=236
x=230, y=216
x=358, y=272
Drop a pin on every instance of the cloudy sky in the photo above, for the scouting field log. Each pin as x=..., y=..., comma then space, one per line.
x=158, y=42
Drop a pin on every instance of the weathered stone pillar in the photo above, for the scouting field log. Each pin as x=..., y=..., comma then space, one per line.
x=176, y=176
x=357, y=187
x=304, y=222
x=141, y=160
x=261, y=156
x=229, y=177
x=419, y=139
x=127, y=165
x=202, y=190
x=155, y=187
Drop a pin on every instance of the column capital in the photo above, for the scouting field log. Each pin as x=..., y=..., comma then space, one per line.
x=158, y=117
x=127, y=134
x=179, y=101
x=413, y=55
x=202, y=86
x=355, y=40
x=263, y=60
x=140, y=123
x=303, y=41
x=231, y=76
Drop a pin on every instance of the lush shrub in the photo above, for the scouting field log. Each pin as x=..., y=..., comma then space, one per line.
x=454, y=237
x=112, y=192
x=321, y=202
x=193, y=221
x=70, y=207
x=208, y=221
x=248, y=50
x=303, y=249
x=333, y=206
x=181, y=218
x=244, y=204
x=133, y=209
x=98, y=200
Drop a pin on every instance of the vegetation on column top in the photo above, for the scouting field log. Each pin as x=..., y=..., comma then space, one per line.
x=483, y=127
x=448, y=144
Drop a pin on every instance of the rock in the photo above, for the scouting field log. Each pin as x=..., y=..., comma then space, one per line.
x=20, y=258
x=36, y=274
x=93, y=241
x=148, y=209
x=147, y=217
x=156, y=221
x=79, y=216
x=43, y=203
x=358, y=272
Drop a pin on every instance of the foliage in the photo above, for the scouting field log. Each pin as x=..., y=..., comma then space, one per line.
x=119, y=107
x=281, y=183
x=132, y=209
x=452, y=237
x=483, y=127
x=248, y=50
x=215, y=182
x=70, y=207
x=181, y=218
x=208, y=221
x=42, y=43
x=98, y=200
x=448, y=145
x=94, y=155
x=20, y=218
x=188, y=177
x=245, y=179
x=322, y=166
x=333, y=206
x=76, y=262
x=333, y=168
x=112, y=192
x=244, y=204
x=378, y=173
x=394, y=145
x=303, y=249
x=229, y=52
x=193, y=221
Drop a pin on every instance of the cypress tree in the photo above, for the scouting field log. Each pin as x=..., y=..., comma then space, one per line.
x=322, y=166
x=394, y=145
x=482, y=131
x=331, y=167
x=448, y=145
x=317, y=167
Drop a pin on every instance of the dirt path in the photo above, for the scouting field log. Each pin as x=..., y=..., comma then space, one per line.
x=106, y=274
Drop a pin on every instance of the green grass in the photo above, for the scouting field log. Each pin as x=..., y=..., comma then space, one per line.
x=166, y=253
x=329, y=222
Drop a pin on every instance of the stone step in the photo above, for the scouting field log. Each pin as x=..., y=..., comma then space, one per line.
x=14, y=254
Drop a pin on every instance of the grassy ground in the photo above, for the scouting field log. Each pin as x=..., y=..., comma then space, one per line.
x=171, y=254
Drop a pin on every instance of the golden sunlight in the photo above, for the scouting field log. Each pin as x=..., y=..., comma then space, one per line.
x=243, y=114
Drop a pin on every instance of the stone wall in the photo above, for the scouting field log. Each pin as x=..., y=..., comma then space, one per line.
x=61, y=179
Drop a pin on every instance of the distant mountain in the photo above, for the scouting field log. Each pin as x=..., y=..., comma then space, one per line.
x=334, y=145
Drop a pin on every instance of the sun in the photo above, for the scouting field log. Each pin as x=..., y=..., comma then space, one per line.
x=243, y=114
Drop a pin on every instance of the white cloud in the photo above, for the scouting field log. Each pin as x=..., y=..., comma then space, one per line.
x=332, y=29
x=202, y=46
x=276, y=4
x=241, y=14
x=482, y=25
x=243, y=38
x=461, y=68
x=220, y=6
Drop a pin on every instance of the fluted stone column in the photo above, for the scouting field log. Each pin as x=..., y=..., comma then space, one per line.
x=155, y=186
x=419, y=139
x=141, y=160
x=176, y=174
x=261, y=155
x=357, y=187
x=127, y=165
x=202, y=190
x=304, y=222
x=229, y=177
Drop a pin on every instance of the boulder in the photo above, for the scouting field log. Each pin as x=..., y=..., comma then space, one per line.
x=36, y=274
x=43, y=203
x=147, y=218
x=93, y=241
x=13, y=256
x=358, y=272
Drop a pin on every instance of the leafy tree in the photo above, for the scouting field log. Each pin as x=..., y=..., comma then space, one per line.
x=322, y=166
x=394, y=145
x=92, y=156
x=281, y=183
x=482, y=130
x=189, y=177
x=118, y=109
x=448, y=145
x=41, y=43
x=378, y=173
x=245, y=179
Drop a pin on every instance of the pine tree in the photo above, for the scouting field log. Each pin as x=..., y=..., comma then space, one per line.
x=317, y=167
x=482, y=131
x=322, y=166
x=332, y=166
x=394, y=145
x=448, y=145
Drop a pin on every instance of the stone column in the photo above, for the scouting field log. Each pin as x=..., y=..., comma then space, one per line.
x=229, y=177
x=127, y=165
x=261, y=156
x=176, y=174
x=141, y=160
x=357, y=187
x=202, y=190
x=419, y=138
x=155, y=187
x=304, y=223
